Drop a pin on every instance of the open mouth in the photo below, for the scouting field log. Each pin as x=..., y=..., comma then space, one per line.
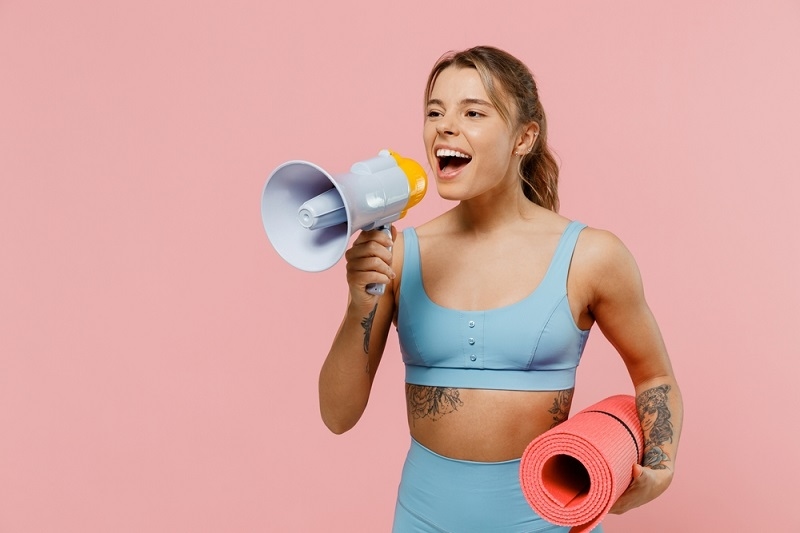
x=451, y=161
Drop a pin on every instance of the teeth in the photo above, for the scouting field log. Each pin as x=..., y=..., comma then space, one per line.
x=444, y=152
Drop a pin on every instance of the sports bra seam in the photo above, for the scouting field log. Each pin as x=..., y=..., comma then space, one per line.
x=542, y=330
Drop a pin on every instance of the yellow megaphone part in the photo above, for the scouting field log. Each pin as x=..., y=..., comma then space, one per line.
x=417, y=180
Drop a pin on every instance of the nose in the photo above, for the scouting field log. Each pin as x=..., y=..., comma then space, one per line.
x=446, y=126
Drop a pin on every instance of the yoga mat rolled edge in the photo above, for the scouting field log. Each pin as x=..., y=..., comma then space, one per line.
x=572, y=474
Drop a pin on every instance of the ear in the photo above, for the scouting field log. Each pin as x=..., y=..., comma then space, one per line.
x=527, y=138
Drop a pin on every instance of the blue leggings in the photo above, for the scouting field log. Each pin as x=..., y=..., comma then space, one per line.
x=442, y=495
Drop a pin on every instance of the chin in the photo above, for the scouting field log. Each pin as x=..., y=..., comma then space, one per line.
x=450, y=191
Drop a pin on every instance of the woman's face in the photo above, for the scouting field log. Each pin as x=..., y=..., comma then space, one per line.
x=648, y=421
x=468, y=143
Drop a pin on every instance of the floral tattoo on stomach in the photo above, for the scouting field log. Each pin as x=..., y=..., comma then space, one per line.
x=561, y=405
x=431, y=402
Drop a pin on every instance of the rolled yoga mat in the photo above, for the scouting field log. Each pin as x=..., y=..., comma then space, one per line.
x=572, y=474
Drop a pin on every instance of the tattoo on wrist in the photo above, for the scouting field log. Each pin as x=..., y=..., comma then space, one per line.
x=654, y=415
x=561, y=405
x=431, y=402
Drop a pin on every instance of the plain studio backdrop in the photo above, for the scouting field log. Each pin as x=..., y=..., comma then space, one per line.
x=159, y=361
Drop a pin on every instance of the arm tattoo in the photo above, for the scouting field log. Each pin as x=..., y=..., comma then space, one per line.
x=366, y=323
x=561, y=405
x=654, y=415
x=431, y=402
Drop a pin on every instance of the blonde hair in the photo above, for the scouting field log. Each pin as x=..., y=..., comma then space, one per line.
x=507, y=80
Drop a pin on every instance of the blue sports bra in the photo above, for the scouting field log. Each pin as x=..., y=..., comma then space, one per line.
x=530, y=345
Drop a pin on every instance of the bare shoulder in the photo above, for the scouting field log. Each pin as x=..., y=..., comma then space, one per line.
x=599, y=245
x=602, y=260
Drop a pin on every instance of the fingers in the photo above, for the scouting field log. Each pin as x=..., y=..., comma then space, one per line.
x=642, y=489
x=369, y=259
x=624, y=502
x=377, y=236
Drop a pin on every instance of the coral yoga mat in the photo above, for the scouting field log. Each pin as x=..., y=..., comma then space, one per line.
x=572, y=474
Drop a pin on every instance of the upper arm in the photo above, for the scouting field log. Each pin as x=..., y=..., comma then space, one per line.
x=618, y=305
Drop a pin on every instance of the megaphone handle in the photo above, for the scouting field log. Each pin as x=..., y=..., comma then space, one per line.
x=379, y=288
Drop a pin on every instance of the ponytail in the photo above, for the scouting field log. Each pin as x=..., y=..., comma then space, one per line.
x=539, y=169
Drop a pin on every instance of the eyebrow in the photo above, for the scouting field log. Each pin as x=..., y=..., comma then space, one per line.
x=465, y=101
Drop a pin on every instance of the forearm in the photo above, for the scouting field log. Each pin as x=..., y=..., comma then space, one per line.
x=346, y=376
x=660, y=408
x=661, y=435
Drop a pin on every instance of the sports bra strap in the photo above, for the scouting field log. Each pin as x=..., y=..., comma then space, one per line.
x=411, y=261
x=559, y=267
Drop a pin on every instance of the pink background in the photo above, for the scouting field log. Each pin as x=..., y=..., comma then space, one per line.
x=158, y=360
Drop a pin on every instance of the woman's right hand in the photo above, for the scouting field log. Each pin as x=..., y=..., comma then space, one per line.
x=369, y=260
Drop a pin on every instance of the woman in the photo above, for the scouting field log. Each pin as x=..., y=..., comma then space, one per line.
x=493, y=302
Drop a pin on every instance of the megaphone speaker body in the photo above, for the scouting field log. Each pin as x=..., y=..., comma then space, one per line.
x=310, y=214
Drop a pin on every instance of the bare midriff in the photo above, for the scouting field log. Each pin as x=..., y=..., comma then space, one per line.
x=479, y=424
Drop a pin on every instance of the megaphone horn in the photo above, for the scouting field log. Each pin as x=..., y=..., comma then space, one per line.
x=309, y=214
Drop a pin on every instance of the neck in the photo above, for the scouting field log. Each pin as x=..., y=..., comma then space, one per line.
x=495, y=210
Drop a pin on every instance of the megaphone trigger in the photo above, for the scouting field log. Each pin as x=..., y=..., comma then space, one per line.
x=309, y=214
x=379, y=288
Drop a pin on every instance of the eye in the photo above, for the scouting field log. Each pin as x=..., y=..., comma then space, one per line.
x=474, y=114
x=432, y=113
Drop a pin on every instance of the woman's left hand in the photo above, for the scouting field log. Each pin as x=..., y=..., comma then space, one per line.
x=647, y=484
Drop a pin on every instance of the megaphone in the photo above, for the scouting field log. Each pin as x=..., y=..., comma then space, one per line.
x=309, y=214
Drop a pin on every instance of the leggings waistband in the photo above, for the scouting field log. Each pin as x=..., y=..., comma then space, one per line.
x=446, y=494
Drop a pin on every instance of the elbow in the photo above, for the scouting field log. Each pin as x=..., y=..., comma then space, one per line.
x=340, y=411
x=337, y=424
x=335, y=428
